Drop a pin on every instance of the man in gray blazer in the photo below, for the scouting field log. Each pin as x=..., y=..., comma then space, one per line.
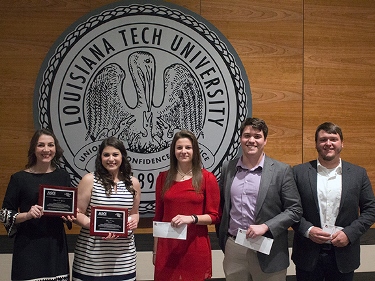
x=338, y=207
x=258, y=195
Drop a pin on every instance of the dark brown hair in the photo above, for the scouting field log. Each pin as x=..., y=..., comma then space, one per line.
x=196, y=161
x=125, y=172
x=330, y=128
x=34, y=142
x=256, y=123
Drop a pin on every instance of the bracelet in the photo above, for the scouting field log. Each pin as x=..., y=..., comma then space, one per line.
x=195, y=219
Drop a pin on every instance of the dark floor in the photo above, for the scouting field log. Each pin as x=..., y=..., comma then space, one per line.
x=361, y=276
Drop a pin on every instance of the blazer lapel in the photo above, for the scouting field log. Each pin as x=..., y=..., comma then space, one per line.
x=313, y=175
x=345, y=183
x=231, y=172
x=265, y=181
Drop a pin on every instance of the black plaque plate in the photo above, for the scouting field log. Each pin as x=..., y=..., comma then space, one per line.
x=58, y=200
x=105, y=219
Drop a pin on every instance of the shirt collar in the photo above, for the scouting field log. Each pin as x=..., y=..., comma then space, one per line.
x=337, y=170
x=241, y=167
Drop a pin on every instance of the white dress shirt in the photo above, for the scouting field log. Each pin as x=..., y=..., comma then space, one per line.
x=329, y=194
x=329, y=188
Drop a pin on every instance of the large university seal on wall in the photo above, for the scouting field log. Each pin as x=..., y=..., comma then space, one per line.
x=142, y=72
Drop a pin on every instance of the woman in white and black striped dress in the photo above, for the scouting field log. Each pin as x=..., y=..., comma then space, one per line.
x=111, y=257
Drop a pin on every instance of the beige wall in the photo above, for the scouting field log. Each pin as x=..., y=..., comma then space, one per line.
x=307, y=61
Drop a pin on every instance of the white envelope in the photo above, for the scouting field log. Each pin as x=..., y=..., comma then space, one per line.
x=331, y=229
x=165, y=230
x=261, y=244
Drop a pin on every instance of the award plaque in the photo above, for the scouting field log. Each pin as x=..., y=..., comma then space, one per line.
x=58, y=200
x=105, y=219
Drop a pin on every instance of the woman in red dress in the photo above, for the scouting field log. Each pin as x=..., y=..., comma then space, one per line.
x=185, y=194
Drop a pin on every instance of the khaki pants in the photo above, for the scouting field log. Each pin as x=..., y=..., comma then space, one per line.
x=241, y=264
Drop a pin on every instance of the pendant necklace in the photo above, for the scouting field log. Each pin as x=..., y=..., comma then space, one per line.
x=183, y=174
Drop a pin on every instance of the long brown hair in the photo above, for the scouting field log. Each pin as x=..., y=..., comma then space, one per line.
x=34, y=142
x=125, y=171
x=196, y=161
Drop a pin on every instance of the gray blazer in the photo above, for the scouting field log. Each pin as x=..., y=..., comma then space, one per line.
x=356, y=194
x=278, y=206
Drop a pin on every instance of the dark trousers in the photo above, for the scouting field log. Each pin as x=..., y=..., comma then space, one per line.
x=326, y=268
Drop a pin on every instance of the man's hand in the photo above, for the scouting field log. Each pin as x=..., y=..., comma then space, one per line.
x=339, y=239
x=256, y=230
x=319, y=236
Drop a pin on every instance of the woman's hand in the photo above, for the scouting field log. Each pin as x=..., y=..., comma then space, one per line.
x=71, y=218
x=180, y=220
x=35, y=212
x=110, y=236
x=132, y=222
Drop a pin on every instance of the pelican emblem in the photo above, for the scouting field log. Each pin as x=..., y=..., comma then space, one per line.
x=146, y=126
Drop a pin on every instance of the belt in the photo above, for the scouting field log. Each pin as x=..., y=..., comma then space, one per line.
x=231, y=236
x=326, y=247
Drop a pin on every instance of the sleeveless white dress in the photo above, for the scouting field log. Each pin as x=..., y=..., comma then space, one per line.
x=97, y=259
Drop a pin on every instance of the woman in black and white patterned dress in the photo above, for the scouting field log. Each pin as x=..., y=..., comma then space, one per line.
x=111, y=257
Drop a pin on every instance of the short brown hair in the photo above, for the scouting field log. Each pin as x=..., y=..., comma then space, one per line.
x=256, y=123
x=330, y=128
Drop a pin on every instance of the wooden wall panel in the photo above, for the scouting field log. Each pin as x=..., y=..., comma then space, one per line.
x=267, y=35
x=307, y=62
x=339, y=76
x=28, y=29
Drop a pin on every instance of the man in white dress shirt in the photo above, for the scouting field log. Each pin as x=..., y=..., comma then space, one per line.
x=338, y=207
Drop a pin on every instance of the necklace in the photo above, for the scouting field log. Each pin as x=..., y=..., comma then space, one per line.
x=40, y=171
x=183, y=174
